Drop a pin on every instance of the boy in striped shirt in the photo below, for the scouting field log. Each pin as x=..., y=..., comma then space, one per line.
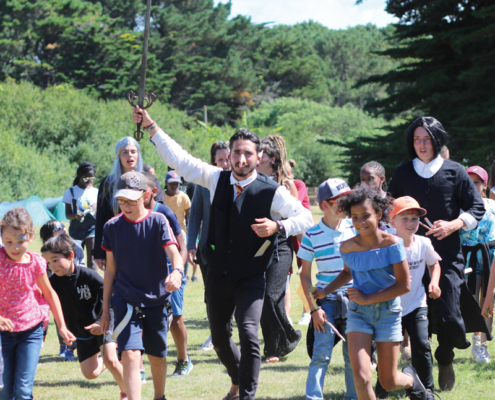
x=321, y=243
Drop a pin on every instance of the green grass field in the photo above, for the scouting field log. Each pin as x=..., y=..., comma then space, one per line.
x=58, y=380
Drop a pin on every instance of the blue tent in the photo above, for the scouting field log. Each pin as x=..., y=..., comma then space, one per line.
x=57, y=207
x=34, y=206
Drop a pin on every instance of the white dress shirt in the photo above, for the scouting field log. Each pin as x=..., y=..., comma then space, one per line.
x=299, y=219
x=427, y=171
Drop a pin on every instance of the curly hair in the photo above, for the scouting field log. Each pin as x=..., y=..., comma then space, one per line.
x=360, y=195
x=19, y=219
x=274, y=146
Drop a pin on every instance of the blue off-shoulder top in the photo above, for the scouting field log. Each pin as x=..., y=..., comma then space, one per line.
x=372, y=270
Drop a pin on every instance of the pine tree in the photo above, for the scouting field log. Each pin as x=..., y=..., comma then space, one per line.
x=447, y=49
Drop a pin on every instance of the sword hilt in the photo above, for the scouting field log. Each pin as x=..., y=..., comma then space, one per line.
x=149, y=99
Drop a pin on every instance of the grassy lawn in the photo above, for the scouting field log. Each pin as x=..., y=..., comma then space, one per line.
x=57, y=380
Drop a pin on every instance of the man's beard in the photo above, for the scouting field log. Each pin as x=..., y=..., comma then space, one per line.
x=243, y=174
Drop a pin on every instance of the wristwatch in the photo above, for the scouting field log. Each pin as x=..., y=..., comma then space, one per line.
x=281, y=228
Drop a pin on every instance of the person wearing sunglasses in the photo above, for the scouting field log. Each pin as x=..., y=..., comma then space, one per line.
x=80, y=209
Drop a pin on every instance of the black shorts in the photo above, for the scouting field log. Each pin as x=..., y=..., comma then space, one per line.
x=87, y=348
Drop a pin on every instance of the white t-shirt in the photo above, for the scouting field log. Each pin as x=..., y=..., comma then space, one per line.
x=86, y=199
x=420, y=254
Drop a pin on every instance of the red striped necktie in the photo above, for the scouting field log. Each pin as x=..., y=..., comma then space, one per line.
x=238, y=190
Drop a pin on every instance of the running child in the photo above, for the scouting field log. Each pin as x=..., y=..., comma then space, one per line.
x=321, y=243
x=23, y=310
x=376, y=262
x=81, y=294
x=50, y=229
x=420, y=253
x=177, y=327
x=137, y=243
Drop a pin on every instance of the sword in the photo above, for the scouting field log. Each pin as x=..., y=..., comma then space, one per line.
x=141, y=96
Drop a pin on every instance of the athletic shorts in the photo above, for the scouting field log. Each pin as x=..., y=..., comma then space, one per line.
x=147, y=334
x=87, y=348
x=381, y=320
x=177, y=299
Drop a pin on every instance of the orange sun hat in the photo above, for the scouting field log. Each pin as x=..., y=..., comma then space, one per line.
x=406, y=203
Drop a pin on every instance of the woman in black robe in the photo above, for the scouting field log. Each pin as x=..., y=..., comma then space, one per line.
x=445, y=190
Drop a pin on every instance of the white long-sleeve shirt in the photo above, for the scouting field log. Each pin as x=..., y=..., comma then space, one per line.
x=299, y=219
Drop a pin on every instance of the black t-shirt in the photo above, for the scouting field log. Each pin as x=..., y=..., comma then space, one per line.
x=81, y=297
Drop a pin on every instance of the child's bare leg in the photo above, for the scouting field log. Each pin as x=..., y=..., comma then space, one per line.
x=179, y=333
x=114, y=366
x=158, y=366
x=132, y=378
x=388, y=361
x=360, y=355
x=92, y=367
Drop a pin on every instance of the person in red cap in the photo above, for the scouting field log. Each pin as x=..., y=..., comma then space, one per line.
x=478, y=246
x=444, y=189
x=420, y=254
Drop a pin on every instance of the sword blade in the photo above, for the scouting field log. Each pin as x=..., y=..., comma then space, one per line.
x=144, y=58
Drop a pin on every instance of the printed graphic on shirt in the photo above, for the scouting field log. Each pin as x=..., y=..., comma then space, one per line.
x=84, y=292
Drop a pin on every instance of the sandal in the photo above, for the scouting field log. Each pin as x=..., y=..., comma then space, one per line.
x=272, y=359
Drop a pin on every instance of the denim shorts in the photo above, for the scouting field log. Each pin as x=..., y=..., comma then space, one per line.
x=177, y=299
x=148, y=334
x=381, y=320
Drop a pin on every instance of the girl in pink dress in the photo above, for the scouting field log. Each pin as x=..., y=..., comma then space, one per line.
x=23, y=310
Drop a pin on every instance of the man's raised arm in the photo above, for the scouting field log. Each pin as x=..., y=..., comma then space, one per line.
x=192, y=169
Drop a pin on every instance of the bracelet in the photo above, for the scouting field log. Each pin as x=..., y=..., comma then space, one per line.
x=314, y=310
x=149, y=128
x=180, y=270
x=146, y=127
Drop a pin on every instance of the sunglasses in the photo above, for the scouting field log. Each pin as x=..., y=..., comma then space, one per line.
x=58, y=227
x=89, y=179
x=122, y=202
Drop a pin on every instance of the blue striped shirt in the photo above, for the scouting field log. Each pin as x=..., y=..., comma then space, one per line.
x=322, y=244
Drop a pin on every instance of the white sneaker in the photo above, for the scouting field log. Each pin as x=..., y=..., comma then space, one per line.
x=476, y=345
x=483, y=357
x=208, y=345
x=305, y=319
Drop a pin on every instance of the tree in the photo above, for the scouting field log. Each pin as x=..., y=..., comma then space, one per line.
x=447, y=50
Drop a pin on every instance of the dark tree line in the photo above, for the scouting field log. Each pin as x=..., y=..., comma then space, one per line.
x=198, y=56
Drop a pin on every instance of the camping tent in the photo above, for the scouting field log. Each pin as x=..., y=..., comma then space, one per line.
x=34, y=206
x=57, y=207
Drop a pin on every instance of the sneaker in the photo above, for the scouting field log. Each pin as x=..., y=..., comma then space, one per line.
x=69, y=355
x=417, y=391
x=194, y=278
x=208, y=345
x=380, y=392
x=143, y=376
x=476, y=345
x=183, y=368
x=61, y=353
x=483, y=357
x=123, y=396
x=430, y=395
x=305, y=319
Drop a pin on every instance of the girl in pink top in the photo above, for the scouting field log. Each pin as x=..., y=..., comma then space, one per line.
x=23, y=310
